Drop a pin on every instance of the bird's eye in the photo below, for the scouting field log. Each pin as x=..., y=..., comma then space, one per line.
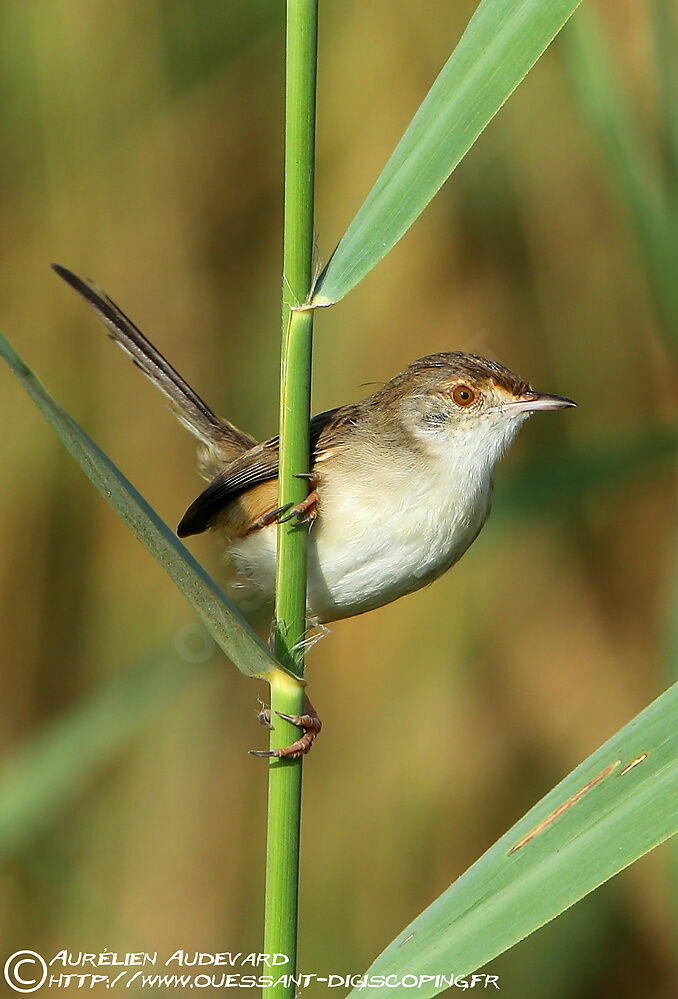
x=464, y=396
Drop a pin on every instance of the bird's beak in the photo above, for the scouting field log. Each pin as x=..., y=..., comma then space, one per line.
x=532, y=401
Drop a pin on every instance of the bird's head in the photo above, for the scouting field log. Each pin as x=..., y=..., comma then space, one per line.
x=463, y=406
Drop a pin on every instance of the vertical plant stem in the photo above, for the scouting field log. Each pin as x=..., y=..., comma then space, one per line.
x=287, y=695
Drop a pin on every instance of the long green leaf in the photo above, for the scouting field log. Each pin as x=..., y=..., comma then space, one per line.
x=639, y=183
x=59, y=762
x=664, y=23
x=50, y=770
x=597, y=821
x=501, y=43
x=224, y=623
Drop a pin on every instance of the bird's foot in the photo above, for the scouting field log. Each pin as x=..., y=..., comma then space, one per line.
x=309, y=722
x=270, y=518
x=305, y=512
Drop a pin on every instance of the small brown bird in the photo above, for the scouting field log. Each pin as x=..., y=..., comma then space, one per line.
x=400, y=484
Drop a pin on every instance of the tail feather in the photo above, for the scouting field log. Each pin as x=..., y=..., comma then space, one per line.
x=214, y=431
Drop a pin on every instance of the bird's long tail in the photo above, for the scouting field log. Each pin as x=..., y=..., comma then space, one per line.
x=218, y=434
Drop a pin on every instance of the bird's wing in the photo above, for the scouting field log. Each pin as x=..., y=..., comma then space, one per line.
x=259, y=465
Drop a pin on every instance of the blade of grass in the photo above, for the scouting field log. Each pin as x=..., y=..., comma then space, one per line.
x=284, y=794
x=598, y=820
x=500, y=45
x=664, y=23
x=670, y=663
x=646, y=191
x=226, y=626
x=52, y=769
x=637, y=181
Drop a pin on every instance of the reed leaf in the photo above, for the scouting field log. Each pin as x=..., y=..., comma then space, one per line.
x=645, y=190
x=225, y=624
x=54, y=768
x=57, y=765
x=613, y=808
x=500, y=45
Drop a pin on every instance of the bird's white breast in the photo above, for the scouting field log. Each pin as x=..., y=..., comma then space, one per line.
x=374, y=541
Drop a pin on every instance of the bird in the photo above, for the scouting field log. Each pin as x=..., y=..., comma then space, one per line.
x=400, y=483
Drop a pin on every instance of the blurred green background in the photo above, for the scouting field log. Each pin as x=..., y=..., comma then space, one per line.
x=142, y=146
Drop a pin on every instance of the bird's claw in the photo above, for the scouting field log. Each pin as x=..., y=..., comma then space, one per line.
x=264, y=718
x=305, y=512
x=271, y=517
x=309, y=722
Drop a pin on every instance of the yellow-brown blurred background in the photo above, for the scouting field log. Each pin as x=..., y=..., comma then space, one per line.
x=142, y=146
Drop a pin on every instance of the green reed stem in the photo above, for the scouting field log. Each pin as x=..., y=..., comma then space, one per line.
x=287, y=695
